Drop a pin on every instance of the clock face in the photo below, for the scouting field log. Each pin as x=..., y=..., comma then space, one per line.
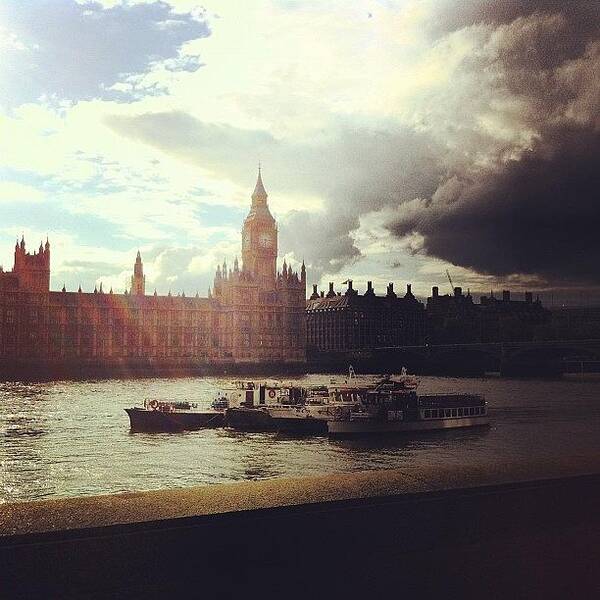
x=265, y=240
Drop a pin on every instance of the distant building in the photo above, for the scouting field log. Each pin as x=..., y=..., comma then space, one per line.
x=253, y=314
x=452, y=318
x=457, y=319
x=353, y=321
x=506, y=319
x=572, y=323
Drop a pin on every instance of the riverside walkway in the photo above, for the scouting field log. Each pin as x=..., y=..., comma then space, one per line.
x=535, y=534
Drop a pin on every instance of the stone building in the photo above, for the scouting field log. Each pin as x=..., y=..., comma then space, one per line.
x=351, y=321
x=254, y=313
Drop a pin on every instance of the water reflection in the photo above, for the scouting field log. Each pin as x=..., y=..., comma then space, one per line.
x=72, y=438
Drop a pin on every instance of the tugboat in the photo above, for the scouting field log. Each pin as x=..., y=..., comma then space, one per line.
x=253, y=413
x=393, y=406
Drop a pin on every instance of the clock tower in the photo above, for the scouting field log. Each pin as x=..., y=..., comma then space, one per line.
x=259, y=239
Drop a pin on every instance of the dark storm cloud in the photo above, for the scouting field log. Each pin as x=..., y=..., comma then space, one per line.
x=539, y=214
x=583, y=16
x=74, y=51
x=533, y=211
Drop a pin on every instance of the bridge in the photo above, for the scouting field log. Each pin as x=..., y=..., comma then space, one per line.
x=544, y=357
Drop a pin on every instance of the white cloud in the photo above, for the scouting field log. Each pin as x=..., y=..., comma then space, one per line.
x=12, y=191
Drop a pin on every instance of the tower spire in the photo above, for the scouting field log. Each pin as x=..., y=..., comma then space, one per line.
x=259, y=192
x=138, y=280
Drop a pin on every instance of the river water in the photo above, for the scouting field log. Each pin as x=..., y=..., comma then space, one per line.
x=64, y=439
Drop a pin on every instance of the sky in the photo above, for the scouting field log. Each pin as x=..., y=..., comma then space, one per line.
x=398, y=139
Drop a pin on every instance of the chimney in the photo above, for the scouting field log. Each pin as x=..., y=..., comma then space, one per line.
x=528, y=297
x=315, y=293
x=369, y=291
x=331, y=292
x=506, y=295
x=390, y=290
x=350, y=291
x=435, y=291
x=458, y=291
x=409, y=290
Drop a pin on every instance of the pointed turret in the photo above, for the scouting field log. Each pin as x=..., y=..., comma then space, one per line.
x=138, y=281
x=259, y=194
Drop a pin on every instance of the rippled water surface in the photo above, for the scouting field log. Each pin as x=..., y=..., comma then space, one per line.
x=72, y=438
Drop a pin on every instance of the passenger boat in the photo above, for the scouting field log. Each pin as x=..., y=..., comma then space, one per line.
x=393, y=407
x=323, y=403
x=320, y=406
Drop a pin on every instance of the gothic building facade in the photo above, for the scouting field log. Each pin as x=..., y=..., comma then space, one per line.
x=254, y=313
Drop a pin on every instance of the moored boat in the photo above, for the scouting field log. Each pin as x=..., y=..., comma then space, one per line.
x=324, y=403
x=160, y=415
x=252, y=414
x=166, y=415
x=389, y=407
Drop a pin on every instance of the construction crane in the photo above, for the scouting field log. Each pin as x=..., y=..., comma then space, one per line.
x=450, y=280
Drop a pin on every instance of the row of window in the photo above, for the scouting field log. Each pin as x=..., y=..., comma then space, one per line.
x=447, y=413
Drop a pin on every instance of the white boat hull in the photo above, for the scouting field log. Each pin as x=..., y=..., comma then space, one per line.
x=366, y=426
